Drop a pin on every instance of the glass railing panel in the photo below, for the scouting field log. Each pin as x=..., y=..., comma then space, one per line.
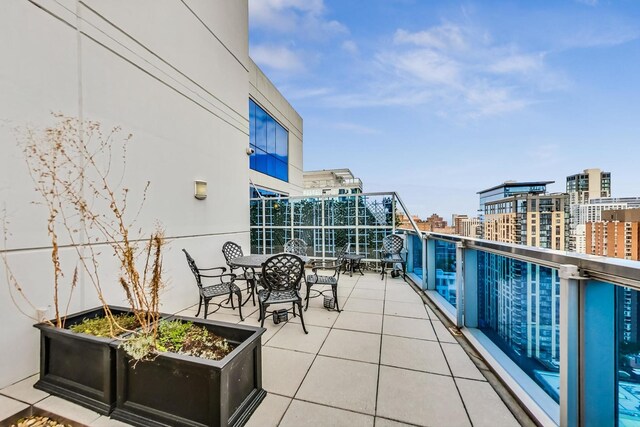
x=277, y=212
x=257, y=243
x=414, y=248
x=335, y=239
x=340, y=211
x=307, y=212
x=255, y=212
x=519, y=311
x=628, y=351
x=375, y=210
x=370, y=241
x=445, y=255
x=311, y=236
x=275, y=238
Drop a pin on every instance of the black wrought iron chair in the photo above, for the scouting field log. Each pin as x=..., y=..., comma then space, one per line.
x=392, y=248
x=207, y=293
x=232, y=250
x=281, y=275
x=296, y=247
x=324, y=279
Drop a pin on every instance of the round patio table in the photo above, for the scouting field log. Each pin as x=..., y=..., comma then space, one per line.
x=256, y=261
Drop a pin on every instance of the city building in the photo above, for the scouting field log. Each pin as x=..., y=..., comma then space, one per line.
x=615, y=235
x=532, y=219
x=199, y=110
x=582, y=189
x=331, y=181
x=465, y=226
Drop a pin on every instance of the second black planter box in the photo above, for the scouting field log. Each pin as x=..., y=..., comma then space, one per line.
x=179, y=390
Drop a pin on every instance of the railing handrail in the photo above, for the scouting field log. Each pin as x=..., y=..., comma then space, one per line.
x=613, y=270
x=324, y=196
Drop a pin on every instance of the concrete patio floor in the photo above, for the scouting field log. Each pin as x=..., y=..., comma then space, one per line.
x=385, y=360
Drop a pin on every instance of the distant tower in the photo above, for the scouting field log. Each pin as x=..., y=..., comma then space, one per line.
x=583, y=188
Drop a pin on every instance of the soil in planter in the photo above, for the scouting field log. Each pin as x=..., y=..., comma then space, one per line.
x=192, y=340
x=100, y=326
x=36, y=421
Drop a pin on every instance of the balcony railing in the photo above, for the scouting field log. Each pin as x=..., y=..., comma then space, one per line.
x=561, y=329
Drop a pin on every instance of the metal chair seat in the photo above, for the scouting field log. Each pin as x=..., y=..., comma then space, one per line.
x=322, y=280
x=393, y=258
x=277, y=296
x=217, y=290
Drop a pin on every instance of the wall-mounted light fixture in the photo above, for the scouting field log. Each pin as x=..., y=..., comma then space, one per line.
x=200, y=192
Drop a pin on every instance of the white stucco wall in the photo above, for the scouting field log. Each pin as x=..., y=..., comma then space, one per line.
x=174, y=75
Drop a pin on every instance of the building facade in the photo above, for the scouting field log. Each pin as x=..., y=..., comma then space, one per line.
x=331, y=181
x=182, y=83
x=582, y=189
x=615, y=235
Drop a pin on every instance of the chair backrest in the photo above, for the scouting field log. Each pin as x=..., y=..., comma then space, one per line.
x=341, y=253
x=193, y=267
x=392, y=244
x=296, y=247
x=282, y=272
x=231, y=250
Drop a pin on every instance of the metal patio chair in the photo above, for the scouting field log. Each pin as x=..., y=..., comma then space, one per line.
x=296, y=247
x=232, y=250
x=326, y=279
x=392, y=248
x=281, y=275
x=208, y=292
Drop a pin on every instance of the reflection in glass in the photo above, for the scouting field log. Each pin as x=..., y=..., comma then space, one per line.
x=446, y=270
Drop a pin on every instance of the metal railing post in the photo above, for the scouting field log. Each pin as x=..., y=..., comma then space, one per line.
x=460, y=284
x=431, y=264
x=264, y=227
x=570, y=345
x=424, y=260
x=470, y=290
x=322, y=229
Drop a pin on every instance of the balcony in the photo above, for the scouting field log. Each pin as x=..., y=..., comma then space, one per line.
x=563, y=354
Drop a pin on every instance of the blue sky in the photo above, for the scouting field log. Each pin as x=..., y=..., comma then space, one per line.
x=440, y=99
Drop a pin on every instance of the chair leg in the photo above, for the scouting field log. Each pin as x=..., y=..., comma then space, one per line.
x=262, y=314
x=294, y=309
x=307, y=297
x=230, y=299
x=382, y=273
x=199, y=306
x=301, y=317
x=335, y=297
x=253, y=290
x=206, y=308
x=239, y=295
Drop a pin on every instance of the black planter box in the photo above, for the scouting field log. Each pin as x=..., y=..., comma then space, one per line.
x=178, y=390
x=79, y=367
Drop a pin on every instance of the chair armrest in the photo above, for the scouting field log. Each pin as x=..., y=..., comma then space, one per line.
x=213, y=268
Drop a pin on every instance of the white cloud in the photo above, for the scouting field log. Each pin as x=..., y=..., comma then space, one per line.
x=518, y=63
x=305, y=18
x=350, y=46
x=278, y=58
x=442, y=37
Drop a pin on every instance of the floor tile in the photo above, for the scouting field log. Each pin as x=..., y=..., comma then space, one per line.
x=9, y=407
x=339, y=383
x=460, y=363
x=377, y=294
x=415, y=354
x=402, y=295
x=370, y=284
x=67, y=410
x=361, y=346
x=420, y=398
x=383, y=422
x=485, y=407
x=405, y=309
x=24, y=391
x=408, y=327
x=284, y=370
x=443, y=333
x=271, y=328
x=363, y=322
x=292, y=337
x=364, y=305
x=305, y=414
x=317, y=317
x=270, y=411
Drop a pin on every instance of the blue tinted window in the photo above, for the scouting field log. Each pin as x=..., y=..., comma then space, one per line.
x=270, y=141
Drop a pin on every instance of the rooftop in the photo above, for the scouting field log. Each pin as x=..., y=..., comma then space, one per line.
x=387, y=358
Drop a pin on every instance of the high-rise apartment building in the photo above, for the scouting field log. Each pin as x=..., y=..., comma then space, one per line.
x=616, y=234
x=582, y=189
x=528, y=219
